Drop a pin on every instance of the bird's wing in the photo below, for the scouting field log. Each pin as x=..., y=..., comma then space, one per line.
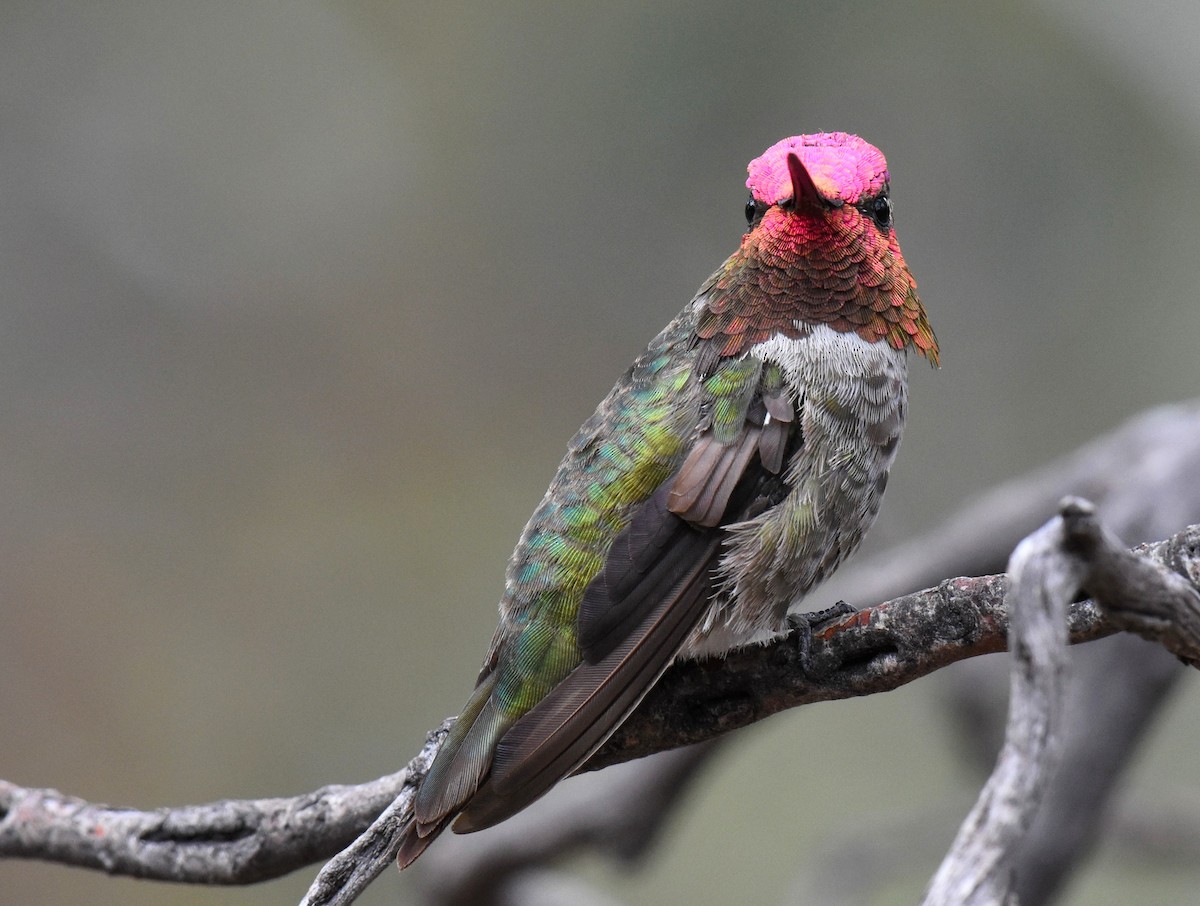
x=667, y=533
x=656, y=581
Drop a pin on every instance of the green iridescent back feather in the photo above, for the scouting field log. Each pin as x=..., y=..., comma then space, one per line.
x=629, y=446
x=635, y=440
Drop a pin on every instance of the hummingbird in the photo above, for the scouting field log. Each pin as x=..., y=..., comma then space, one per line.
x=732, y=468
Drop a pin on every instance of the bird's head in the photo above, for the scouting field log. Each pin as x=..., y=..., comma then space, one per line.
x=819, y=235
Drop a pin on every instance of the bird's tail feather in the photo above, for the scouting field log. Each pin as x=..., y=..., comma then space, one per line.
x=414, y=841
x=456, y=772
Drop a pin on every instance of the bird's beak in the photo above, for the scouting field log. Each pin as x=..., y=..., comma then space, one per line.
x=804, y=190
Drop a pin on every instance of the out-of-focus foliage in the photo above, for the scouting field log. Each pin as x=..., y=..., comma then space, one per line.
x=299, y=304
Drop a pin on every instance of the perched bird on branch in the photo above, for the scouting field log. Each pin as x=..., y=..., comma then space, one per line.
x=739, y=460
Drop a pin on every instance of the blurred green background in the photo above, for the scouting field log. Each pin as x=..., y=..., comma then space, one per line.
x=300, y=303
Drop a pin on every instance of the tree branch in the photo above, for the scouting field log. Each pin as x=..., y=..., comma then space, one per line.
x=1044, y=579
x=244, y=841
x=1071, y=552
x=228, y=842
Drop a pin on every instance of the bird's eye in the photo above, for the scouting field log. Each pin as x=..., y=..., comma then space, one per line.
x=882, y=211
x=755, y=210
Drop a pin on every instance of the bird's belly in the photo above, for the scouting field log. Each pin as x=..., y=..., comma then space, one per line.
x=851, y=397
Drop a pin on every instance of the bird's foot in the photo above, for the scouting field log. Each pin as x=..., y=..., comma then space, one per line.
x=803, y=625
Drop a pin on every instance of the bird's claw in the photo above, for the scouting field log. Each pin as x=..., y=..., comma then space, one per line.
x=803, y=625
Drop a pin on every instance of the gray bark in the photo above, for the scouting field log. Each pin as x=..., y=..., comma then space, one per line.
x=1047, y=570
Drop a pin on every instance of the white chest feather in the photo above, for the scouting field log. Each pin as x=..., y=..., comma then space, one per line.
x=851, y=397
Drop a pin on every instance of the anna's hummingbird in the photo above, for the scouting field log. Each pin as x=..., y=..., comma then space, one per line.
x=734, y=466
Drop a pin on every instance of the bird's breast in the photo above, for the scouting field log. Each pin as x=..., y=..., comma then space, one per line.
x=850, y=395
